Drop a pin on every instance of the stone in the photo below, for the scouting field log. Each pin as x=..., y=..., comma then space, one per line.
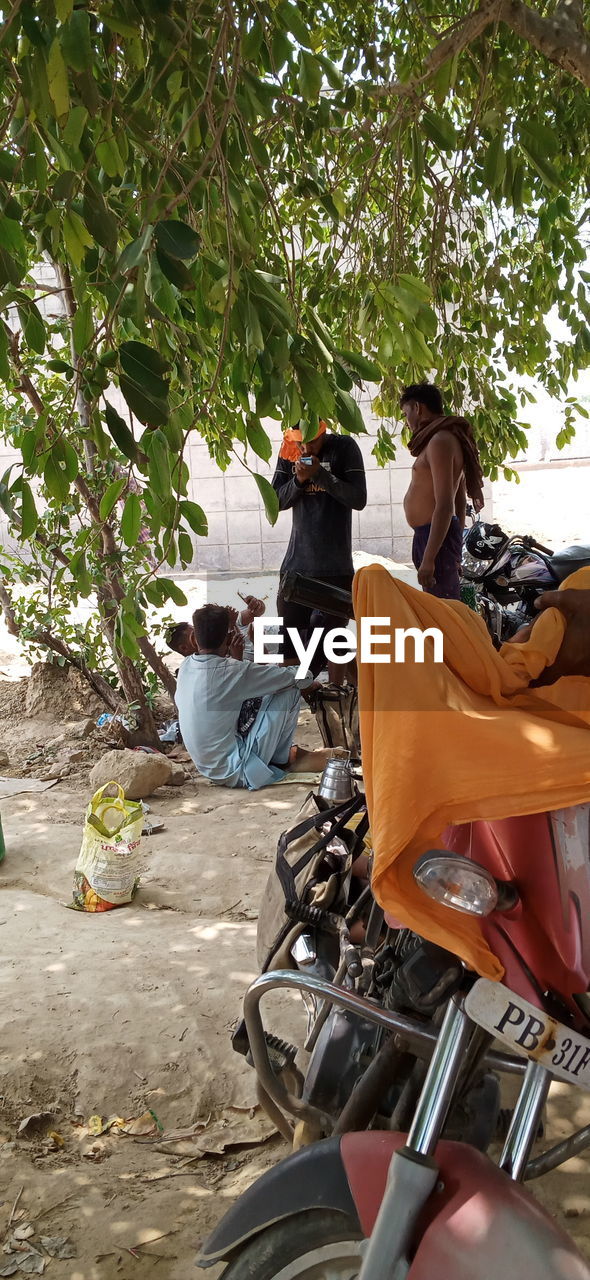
x=4, y=760
x=137, y=772
x=178, y=775
x=74, y=755
x=83, y=730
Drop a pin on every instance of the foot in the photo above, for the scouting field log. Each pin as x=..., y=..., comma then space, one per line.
x=302, y=761
x=573, y=658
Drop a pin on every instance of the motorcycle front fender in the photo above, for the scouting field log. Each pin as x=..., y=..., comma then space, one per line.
x=477, y=1225
x=312, y=1178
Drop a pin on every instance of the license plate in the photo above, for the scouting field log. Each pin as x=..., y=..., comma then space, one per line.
x=530, y=1031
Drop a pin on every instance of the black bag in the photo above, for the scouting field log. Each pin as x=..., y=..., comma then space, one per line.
x=336, y=710
x=312, y=870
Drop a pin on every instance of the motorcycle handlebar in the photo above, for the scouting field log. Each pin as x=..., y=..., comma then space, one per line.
x=299, y=589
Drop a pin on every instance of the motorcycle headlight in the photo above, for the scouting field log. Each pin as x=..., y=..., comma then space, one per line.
x=457, y=882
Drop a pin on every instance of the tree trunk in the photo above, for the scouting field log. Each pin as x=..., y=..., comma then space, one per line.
x=158, y=666
x=130, y=677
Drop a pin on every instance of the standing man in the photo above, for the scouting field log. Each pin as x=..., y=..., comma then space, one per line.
x=447, y=467
x=322, y=482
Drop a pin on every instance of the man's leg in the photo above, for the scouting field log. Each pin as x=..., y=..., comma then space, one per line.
x=274, y=731
x=447, y=566
x=328, y=622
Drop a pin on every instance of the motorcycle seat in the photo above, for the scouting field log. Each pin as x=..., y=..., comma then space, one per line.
x=567, y=561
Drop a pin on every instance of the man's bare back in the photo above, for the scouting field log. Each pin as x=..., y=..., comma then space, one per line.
x=420, y=499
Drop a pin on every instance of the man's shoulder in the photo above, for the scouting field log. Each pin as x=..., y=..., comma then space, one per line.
x=444, y=441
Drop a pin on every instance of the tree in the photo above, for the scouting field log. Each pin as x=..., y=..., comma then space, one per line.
x=249, y=208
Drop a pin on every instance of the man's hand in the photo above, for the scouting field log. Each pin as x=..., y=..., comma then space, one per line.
x=573, y=658
x=426, y=574
x=232, y=618
x=236, y=644
x=304, y=471
x=254, y=609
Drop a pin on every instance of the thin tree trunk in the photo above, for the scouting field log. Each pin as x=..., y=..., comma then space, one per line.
x=158, y=666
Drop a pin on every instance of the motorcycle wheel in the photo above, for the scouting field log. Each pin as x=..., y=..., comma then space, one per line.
x=318, y=1245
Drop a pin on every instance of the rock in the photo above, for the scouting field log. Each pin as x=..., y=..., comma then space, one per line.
x=138, y=772
x=3, y=759
x=74, y=755
x=178, y=775
x=54, y=743
x=84, y=729
x=54, y=771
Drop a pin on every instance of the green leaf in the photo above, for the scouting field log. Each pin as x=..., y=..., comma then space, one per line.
x=63, y=9
x=177, y=239
x=131, y=520
x=195, y=516
x=4, y=360
x=8, y=166
x=75, y=127
x=185, y=547
x=310, y=76
x=152, y=410
x=156, y=447
x=32, y=325
x=316, y=391
x=29, y=517
x=121, y=433
x=135, y=253
x=291, y=19
x=83, y=327
x=64, y=186
x=367, y=368
x=439, y=128
x=77, y=238
x=56, y=481
x=75, y=41
x=175, y=271
x=258, y=439
x=110, y=496
x=109, y=156
x=12, y=238
x=170, y=591
x=138, y=360
x=348, y=413
x=100, y=220
x=269, y=498
x=546, y=171
x=57, y=80
x=494, y=166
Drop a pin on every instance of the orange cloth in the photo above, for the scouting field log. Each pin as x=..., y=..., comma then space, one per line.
x=292, y=439
x=466, y=739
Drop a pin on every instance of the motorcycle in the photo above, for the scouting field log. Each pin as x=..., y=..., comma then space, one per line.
x=508, y=573
x=355, y=1076
x=385, y=1205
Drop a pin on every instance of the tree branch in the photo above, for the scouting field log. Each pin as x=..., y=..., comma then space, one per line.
x=561, y=39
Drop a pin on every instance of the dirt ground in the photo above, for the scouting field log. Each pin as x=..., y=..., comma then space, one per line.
x=129, y=1013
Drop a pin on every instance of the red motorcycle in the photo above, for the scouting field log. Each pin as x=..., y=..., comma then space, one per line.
x=392, y=1206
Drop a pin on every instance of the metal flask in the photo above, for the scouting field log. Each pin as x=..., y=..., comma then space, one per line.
x=337, y=782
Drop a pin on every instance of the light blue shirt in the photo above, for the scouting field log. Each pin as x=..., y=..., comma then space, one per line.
x=210, y=691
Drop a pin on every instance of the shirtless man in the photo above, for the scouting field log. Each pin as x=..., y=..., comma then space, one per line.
x=446, y=469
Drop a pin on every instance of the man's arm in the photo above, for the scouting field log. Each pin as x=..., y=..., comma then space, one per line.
x=352, y=491
x=285, y=485
x=442, y=452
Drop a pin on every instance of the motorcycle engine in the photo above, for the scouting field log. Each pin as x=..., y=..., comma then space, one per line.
x=416, y=975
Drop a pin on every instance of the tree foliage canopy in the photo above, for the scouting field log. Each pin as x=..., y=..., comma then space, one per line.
x=251, y=207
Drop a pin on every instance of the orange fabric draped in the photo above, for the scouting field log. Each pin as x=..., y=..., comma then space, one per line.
x=466, y=739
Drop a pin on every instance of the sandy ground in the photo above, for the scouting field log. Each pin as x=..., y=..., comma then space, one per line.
x=131, y=1011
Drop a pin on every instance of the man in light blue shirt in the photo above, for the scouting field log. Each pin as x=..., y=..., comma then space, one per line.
x=212, y=686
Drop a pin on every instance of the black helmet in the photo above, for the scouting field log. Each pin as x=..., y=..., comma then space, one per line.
x=484, y=541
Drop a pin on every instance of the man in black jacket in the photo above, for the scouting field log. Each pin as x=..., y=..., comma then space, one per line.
x=322, y=481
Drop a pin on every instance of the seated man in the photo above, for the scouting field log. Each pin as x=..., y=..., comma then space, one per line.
x=213, y=684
